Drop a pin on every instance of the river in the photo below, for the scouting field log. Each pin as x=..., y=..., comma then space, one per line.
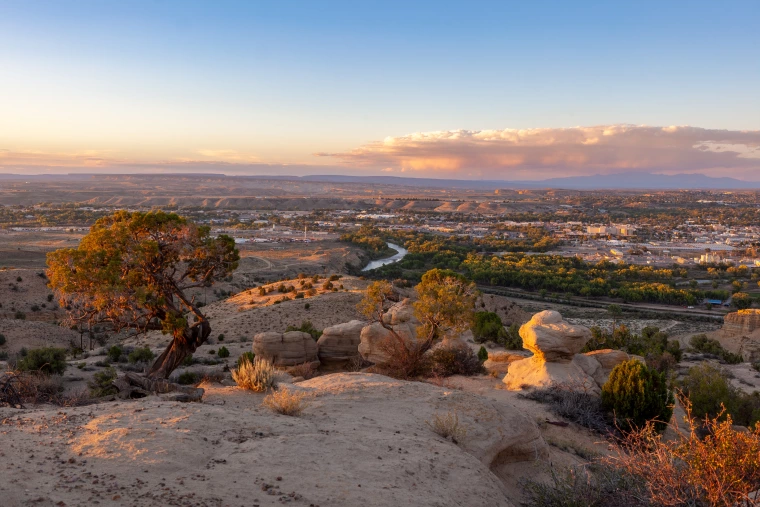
x=388, y=260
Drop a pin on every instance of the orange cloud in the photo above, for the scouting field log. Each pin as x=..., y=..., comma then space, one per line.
x=547, y=152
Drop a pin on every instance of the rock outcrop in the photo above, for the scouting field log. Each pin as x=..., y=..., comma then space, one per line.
x=400, y=317
x=556, y=346
x=740, y=334
x=286, y=349
x=340, y=343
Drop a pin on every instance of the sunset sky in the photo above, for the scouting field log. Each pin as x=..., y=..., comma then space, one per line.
x=495, y=90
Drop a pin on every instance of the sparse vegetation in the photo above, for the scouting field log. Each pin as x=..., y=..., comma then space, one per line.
x=701, y=343
x=285, y=402
x=574, y=404
x=454, y=360
x=223, y=352
x=140, y=355
x=47, y=360
x=447, y=426
x=488, y=327
x=102, y=383
x=188, y=378
x=257, y=376
x=246, y=356
x=114, y=353
x=306, y=327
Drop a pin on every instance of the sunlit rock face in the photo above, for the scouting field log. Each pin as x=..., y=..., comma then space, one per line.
x=285, y=349
x=741, y=334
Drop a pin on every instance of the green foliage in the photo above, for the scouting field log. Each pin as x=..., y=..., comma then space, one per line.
x=220, y=337
x=711, y=395
x=141, y=355
x=482, y=354
x=701, y=343
x=114, y=353
x=306, y=306
x=223, y=352
x=188, y=378
x=513, y=341
x=488, y=327
x=246, y=356
x=306, y=327
x=19, y=315
x=457, y=360
x=188, y=360
x=47, y=360
x=102, y=383
x=652, y=343
x=2, y=339
x=636, y=394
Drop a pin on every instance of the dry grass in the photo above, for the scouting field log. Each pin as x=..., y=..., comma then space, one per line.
x=257, y=376
x=286, y=402
x=447, y=426
x=305, y=370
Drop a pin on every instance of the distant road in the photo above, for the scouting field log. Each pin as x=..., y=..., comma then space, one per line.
x=595, y=303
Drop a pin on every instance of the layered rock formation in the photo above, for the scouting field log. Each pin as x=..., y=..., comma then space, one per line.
x=340, y=343
x=741, y=334
x=286, y=349
x=556, y=346
x=400, y=317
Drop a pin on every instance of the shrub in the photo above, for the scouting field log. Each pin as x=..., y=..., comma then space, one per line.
x=102, y=383
x=114, y=353
x=709, y=464
x=262, y=291
x=246, y=356
x=35, y=308
x=220, y=337
x=3, y=355
x=488, y=327
x=327, y=285
x=306, y=327
x=712, y=395
x=188, y=377
x=637, y=394
x=256, y=376
x=305, y=370
x=48, y=360
x=701, y=343
x=651, y=343
x=19, y=315
x=2, y=339
x=456, y=360
x=447, y=426
x=571, y=402
x=513, y=341
x=50, y=298
x=188, y=360
x=306, y=306
x=141, y=355
x=285, y=402
x=212, y=352
x=223, y=352
x=482, y=354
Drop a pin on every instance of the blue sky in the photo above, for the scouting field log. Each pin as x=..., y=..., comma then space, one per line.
x=164, y=84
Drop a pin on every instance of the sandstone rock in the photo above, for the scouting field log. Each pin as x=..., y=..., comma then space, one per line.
x=498, y=362
x=534, y=372
x=374, y=335
x=740, y=334
x=285, y=349
x=551, y=338
x=340, y=343
x=401, y=312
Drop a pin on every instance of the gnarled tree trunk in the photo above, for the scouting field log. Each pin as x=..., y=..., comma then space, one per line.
x=179, y=348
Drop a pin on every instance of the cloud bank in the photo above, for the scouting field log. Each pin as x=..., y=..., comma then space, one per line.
x=550, y=152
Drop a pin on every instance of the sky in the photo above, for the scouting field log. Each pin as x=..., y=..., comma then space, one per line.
x=466, y=90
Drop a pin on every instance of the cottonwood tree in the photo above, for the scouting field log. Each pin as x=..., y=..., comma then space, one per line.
x=133, y=271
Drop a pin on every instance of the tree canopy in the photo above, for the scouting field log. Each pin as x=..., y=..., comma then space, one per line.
x=133, y=271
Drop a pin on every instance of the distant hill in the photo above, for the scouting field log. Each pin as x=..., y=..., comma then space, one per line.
x=630, y=180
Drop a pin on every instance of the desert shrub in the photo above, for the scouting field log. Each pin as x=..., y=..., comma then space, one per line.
x=285, y=402
x=19, y=279
x=47, y=360
x=712, y=395
x=220, y=337
x=447, y=426
x=305, y=370
x=334, y=278
x=212, y=352
x=327, y=285
x=50, y=298
x=306, y=306
x=188, y=360
x=708, y=464
x=651, y=343
x=596, y=485
x=223, y=352
x=636, y=394
x=256, y=376
x=19, y=315
x=482, y=354
x=306, y=327
x=188, y=377
x=114, y=353
x=573, y=403
x=488, y=327
x=35, y=308
x=102, y=383
x=246, y=356
x=141, y=355
x=3, y=355
x=456, y=360
x=404, y=360
x=701, y=343
x=2, y=339
x=262, y=291
x=513, y=341
x=282, y=288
